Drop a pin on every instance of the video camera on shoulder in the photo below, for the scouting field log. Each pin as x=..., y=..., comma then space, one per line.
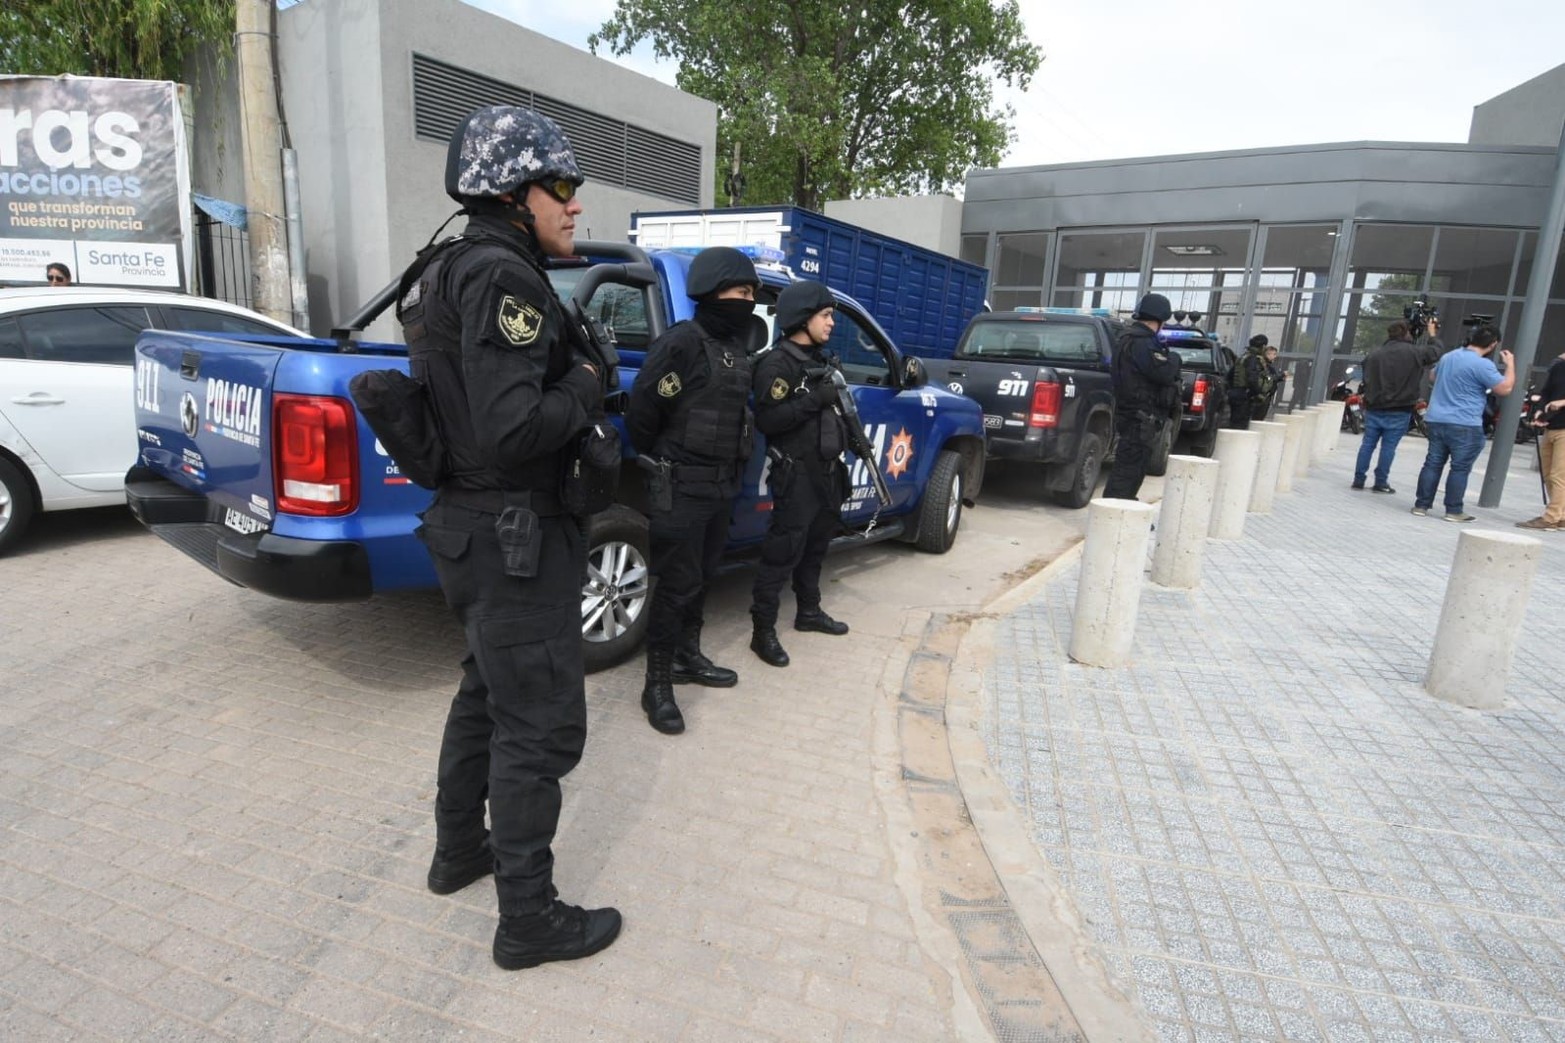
x=1470, y=326
x=1419, y=314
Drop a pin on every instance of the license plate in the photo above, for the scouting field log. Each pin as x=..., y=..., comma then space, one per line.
x=242, y=523
x=993, y=421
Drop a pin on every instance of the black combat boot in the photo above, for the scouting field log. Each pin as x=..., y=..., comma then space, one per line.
x=764, y=643
x=657, y=695
x=815, y=620
x=559, y=932
x=454, y=868
x=691, y=667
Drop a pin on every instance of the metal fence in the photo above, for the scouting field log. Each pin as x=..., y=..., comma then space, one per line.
x=222, y=261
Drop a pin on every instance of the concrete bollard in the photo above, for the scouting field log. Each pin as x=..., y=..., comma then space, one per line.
x=1108, y=595
x=1268, y=466
x=1183, y=522
x=1485, y=600
x=1292, y=438
x=1330, y=428
x=1308, y=417
x=1238, y=453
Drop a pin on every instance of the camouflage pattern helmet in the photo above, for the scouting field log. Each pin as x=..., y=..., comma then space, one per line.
x=501, y=147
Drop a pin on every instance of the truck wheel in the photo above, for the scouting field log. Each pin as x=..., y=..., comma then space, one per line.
x=616, y=597
x=1204, y=443
x=941, y=512
x=1157, y=462
x=16, y=505
x=1088, y=464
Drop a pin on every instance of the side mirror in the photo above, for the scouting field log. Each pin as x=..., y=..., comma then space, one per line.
x=913, y=373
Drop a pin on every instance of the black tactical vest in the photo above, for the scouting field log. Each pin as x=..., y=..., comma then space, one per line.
x=713, y=421
x=431, y=317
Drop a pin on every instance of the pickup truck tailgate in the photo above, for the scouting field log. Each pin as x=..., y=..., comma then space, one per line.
x=203, y=420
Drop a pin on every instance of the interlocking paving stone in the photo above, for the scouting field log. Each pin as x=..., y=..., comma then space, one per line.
x=1271, y=829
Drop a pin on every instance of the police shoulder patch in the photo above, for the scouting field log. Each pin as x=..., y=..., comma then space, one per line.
x=518, y=321
x=669, y=386
x=779, y=389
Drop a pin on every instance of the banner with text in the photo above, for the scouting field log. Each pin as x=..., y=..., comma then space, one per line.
x=93, y=174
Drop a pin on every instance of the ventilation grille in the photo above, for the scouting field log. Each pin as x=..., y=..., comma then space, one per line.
x=608, y=150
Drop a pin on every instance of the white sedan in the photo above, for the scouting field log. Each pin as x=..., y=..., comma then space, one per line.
x=67, y=412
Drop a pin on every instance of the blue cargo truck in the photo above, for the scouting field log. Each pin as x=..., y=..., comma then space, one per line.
x=921, y=297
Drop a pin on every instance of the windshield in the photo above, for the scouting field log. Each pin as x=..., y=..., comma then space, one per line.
x=1194, y=354
x=1032, y=339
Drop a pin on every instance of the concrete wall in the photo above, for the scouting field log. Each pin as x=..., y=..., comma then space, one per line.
x=462, y=35
x=333, y=96
x=372, y=191
x=933, y=222
x=1370, y=181
x=1530, y=113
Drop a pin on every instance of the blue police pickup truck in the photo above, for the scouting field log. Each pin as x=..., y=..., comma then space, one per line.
x=254, y=461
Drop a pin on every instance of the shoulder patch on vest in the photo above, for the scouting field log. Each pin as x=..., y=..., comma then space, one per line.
x=519, y=322
x=669, y=386
x=779, y=389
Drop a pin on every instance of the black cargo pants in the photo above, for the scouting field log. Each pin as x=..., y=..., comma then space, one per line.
x=518, y=723
x=1136, y=432
x=686, y=544
x=806, y=515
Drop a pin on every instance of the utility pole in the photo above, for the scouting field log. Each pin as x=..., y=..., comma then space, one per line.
x=260, y=132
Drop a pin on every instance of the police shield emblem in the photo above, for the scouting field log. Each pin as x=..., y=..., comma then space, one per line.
x=669, y=386
x=519, y=321
x=779, y=389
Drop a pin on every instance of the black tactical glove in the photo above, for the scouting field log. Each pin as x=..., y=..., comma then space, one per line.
x=824, y=394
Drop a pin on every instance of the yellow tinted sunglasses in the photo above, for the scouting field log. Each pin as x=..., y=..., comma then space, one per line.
x=560, y=188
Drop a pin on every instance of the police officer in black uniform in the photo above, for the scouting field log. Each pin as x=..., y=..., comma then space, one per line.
x=689, y=418
x=794, y=396
x=510, y=388
x=1146, y=392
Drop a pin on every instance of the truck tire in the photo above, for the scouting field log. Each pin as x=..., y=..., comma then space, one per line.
x=1204, y=443
x=16, y=505
x=1088, y=464
x=1157, y=462
x=940, y=515
x=616, y=598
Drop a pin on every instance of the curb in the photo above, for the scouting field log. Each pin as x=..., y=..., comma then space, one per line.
x=1042, y=904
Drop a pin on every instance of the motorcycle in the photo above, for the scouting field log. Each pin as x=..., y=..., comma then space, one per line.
x=1416, y=425
x=1352, y=402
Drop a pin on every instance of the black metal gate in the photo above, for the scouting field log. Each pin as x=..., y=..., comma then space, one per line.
x=222, y=261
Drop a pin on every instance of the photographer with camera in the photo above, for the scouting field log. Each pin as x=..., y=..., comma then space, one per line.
x=1549, y=418
x=1393, y=375
x=1463, y=379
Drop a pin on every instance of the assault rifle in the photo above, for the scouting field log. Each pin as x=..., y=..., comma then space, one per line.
x=858, y=441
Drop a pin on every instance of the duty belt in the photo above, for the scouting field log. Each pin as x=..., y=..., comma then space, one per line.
x=494, y=501
x=704, y=472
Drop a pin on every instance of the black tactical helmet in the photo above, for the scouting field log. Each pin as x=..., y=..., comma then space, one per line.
x=799, y=301
x=717, y=268
x=502, y=147
x=1154, y=307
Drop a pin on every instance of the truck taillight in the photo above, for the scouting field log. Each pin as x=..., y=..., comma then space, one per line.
x=315, y=455
x=1198, y=396
x=1045, y=404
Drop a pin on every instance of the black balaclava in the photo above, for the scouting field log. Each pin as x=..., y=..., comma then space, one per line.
x=726, y=319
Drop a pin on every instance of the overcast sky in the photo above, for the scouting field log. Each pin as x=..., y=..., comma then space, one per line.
x=1227, y=74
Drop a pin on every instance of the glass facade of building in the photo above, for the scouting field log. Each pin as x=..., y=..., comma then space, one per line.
x=1324, y=292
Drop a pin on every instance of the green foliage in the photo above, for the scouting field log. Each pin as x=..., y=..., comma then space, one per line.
x=829, y=100
x=134, y=39
x=1383, y=309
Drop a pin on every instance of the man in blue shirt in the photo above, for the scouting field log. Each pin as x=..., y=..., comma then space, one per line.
x=1455, y=418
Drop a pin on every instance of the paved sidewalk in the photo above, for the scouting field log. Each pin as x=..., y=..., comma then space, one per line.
x=1269, y=830
x=215, y=818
